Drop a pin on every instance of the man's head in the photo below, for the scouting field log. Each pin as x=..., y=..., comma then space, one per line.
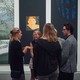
x=67, y=29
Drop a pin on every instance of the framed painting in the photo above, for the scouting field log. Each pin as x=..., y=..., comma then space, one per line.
x=6, y=24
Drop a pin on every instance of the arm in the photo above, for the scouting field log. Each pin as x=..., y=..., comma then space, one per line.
x=25, y=49
x=35, y=59
x=59, y=50
x=65, y=51
x=31, y=50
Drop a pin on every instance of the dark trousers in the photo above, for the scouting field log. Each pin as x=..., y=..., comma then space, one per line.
x=21, y=78
x=66, y=76
x=52, y=76
x=32, y=74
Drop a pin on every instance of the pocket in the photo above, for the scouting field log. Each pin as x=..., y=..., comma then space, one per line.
x=15, y=74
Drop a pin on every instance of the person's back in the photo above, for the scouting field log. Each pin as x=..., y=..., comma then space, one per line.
x=47, y=53
x=46, y=56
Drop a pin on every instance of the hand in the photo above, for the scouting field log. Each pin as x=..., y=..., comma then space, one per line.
x=28, y=47
x=25, y=49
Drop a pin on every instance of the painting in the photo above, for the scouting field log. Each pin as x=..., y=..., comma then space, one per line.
x=6, y=24
x=32, y=23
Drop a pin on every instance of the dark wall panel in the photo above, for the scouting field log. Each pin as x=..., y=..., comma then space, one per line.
x=64, y=11
x=30, y=8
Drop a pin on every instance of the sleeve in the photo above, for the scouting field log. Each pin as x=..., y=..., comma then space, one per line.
x=18, y=55
x=65, y=52
x=18, y=48
x=31, y=50
x=35, y=59
x=59, y=50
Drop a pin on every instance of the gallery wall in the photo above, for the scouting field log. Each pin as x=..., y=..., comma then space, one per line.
x=62, y=11
x=30, y=8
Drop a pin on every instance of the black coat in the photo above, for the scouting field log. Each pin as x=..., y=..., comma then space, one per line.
x=46, y=58
x=15, y=58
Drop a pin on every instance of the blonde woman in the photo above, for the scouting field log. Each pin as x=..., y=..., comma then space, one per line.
x=16, y=55
x=36, y=36
x=47, y=53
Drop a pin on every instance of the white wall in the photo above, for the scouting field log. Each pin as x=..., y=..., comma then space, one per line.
x=16, y=13
x=48, y=11
x=78, y=35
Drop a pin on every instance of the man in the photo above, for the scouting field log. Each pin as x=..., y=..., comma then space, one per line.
x=69, y=54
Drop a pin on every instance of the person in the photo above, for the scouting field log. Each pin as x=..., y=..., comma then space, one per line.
x=16, y=55
x=36, y=36
x=47, y=53
x=61, y=40
x=69, y=54
x=31, y=23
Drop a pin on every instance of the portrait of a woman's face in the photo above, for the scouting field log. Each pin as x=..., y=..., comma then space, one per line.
x=32, y=23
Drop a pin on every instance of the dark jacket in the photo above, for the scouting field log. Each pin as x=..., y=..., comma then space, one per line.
x=46, y=57
x=15, y=58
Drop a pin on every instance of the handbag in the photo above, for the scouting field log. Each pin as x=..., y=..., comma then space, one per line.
x=15, y=74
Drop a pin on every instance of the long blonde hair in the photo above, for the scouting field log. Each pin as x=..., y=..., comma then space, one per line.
x=13, y=33
x=49, y=32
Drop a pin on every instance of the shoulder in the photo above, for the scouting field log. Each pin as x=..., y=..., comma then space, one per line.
x=41, y=40
x=28, y=28
x=70, y=38
x=15, y=43
x=33, y=42
x=37, y=26
x=61, y=39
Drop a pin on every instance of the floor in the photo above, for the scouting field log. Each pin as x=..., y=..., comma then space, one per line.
x=6, y=76
x=5, y=73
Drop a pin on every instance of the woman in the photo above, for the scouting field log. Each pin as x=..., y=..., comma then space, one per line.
x=16, y=55
x=31, y=23
x=36, y=36
x=47, y=53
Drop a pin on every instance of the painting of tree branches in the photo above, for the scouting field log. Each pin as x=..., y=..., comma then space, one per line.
x=6, y=24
